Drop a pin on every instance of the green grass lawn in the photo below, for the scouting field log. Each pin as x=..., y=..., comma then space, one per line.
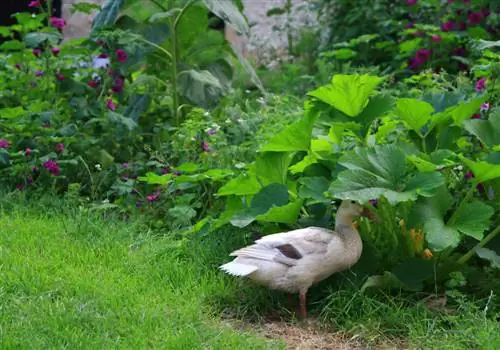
x=70, y=279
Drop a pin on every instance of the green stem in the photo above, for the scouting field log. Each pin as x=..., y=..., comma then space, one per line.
x=463, y=259
x=424, y=145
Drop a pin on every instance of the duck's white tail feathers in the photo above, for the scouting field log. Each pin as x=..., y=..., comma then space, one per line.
x=237, y=269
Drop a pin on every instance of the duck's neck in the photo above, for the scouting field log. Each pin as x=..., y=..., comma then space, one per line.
x=342, y=222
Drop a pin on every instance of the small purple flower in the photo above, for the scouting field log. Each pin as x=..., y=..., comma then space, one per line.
x=27, y=152
x=447, y=26
x=36, y=52
x=121, y=55
x=19, y=187
x=178, y=173
x=468, y=175
x=18, y=66
x=4, y=143
x=125, y=165
x=118, y=85
x=34, y=3
x=204, y=146
x=111, y=105
x=481, y=84
x=411, y=2
x=55, y=51
x=57, y=22
x=39, y=73
x=35, y=169
x=60, y=76
x=485, y=106
x=480, y=188
x=475, y=17
x=60, y=147
x=373, y=202
x=475, y=116
x=29, y=179
x=423, y=54
x=211, y=132
x=166, y=170
x=436, y=38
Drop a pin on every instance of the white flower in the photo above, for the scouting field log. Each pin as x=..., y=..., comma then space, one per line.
x=98, y=167
x=98, y=62
x=206, y=114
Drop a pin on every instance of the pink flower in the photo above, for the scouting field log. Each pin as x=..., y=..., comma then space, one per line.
x=481, y=84
x=57, y=22
x=204, y=146
x=469, y=175
x=35, y=3
x=415, y=63
x=60, y=147
x=27, y=152
x=36, y=52
x=484, y=107
x=423, y=54
x=411, y=2
x=446, y=27
x=475, y=17
x=475, y=116
x=121, y=55
x=93, y=84
x=60, y=76
x=436, y=37
x=118, y=85
x=111, y=105
x=55, y=51
x=52, y=167
x=153, y=197
x=4, y=143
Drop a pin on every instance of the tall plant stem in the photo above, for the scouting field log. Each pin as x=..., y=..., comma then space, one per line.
x=463, y=259
x=175, y=61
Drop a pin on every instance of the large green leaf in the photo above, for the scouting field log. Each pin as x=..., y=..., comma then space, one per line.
x=120, y=119
x=272, y=167
x=108, y=14
x=458, y=113
x=36, y=39
x=192, y=24
x=483, y=171
x=271, y=196
x=286, y=214
x=472, y=219
x=229, y=13
x=490, y=255
x=380, y=171
x=314, y=188
x=414, y=113
x=137, y=105
x=244, y=184
x=200, y=87
x=295, y=137
x=348, y=93
x=488, y=131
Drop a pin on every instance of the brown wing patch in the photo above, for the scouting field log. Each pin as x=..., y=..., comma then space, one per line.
x=289, y=251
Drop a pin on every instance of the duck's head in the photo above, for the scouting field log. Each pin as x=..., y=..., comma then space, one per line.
x=349, y=209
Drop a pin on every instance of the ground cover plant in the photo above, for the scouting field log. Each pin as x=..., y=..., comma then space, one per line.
x=165, y=152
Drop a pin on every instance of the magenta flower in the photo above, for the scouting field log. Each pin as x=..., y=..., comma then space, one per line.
x=125, y=165
x=121, y=55
x=19, y=187
x=60, y=76
x=415, y=63
x=39, y=73
x=211, y=132
x=475, y=17
x=423, y=54
x=166, y=170
x=27, y=152
x=93, y=84
x=204, y=146
x=480, y=84
x=436, y=38
x=35, y=3
x=446, y=27
x=52, y=167
x=60, y=147
x=111, y=105
x=55, y=51
x=484, y=107
x=36, y=52
x=4, y=143
x=18, y=66
x=475, y=116
x=468, y=175
x=153, y=197
x=29, y=179
x=57, y=22
x=118, y=85
x=411, y=2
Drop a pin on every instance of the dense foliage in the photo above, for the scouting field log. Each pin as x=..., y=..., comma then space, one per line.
x=144, y=116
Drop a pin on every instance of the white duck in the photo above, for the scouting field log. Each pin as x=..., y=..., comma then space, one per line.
x=293, y=261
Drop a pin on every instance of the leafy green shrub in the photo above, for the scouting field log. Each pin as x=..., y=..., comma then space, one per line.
x=428, y=166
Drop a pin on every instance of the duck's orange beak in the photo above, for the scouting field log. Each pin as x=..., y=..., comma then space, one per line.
x=367, y=213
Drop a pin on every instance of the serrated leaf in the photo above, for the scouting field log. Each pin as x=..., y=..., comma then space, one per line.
x=414, y=113
x=379, y=171
x=487, y=131
x=348, y=93
x=108, y=14
x=473, y=219
x=295, y=137
x=286, y=214
x=229, y=13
